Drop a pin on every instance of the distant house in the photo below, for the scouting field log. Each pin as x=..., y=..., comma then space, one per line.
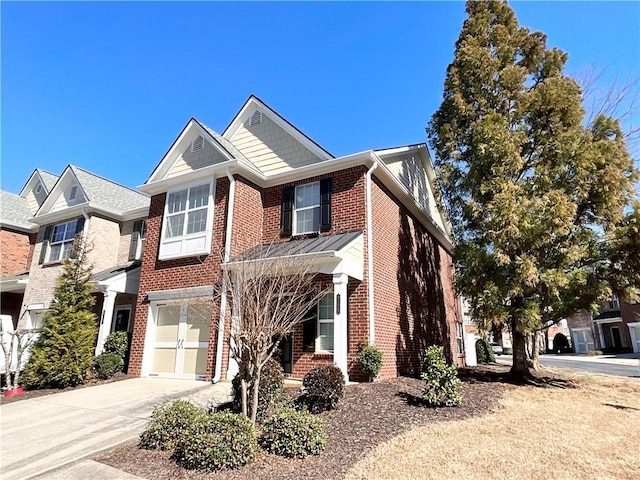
x=369, y=220
x=615, y=328
x=52, y=210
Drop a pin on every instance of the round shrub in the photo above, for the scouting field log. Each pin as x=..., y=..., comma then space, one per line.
x=484, y=352
x=290, y=433
x=116, y=342
x=561, y=343
x=323, y=387
x=107, y=365
x=442, y=383
x=270, y=389
x=370, y=358
x=169, y=422
x=223, y=440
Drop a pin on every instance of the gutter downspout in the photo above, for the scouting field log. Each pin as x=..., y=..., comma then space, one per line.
x=225, y=259
x=372, y=333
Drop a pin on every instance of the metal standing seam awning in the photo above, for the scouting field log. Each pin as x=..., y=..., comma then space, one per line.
x=331, y=254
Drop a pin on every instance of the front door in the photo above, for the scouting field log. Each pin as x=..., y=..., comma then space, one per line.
x=615, y=336
x=286, y=354
x=121, y=323
x=181, y=341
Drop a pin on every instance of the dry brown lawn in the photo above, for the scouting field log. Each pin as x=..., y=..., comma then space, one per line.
x=589, y=429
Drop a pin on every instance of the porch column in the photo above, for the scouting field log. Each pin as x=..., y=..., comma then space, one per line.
x=340, y=340
x=600, y=335
x=105, y=318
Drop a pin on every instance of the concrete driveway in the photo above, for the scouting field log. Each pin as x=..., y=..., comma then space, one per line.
x=44, y=433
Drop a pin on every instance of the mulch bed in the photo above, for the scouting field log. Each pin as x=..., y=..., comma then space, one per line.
x=27, y=394
x=368, y=415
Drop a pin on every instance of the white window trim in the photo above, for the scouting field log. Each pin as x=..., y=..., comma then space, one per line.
x=207, y=232
x=294, y=227
x=61, y=243
x=325, y=321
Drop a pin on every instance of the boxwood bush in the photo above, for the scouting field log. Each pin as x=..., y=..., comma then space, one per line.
x=116, y=342
x=169, y=422
x=291, y=433
x=484, y=352
x=223, y=440
x=270, y=390
x=442, y=383
x=106, y=365
x=370, y=358
x=323, y=388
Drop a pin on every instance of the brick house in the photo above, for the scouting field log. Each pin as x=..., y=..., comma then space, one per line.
x=368, y=220
x=614, y=329
x=109, y=217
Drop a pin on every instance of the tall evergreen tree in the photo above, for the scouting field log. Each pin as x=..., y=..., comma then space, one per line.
x=534, y=195
x=63, y=353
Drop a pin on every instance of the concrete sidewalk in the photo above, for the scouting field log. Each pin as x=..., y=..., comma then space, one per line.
x=45, y=433
x=628, y=359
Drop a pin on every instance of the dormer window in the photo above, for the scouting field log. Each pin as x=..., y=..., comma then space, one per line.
x=73, y=192
x=256, y=118
x=197, y=144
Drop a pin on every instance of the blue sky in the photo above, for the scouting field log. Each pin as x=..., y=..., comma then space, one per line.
x=108, y=86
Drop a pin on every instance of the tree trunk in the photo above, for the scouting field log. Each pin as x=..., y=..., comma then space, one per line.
x=256, y=390
x=243, y=389
x=535, y=351
x=520, y=367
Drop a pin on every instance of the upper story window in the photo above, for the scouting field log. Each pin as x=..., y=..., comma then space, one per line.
x=187, y=222
x=62, y=241
x=306, y=208
x=614, y=303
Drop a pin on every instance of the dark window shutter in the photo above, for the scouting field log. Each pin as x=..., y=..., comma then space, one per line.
x=286, y=213
x=310, y=330
x=135, y=237
x=325, y=204
x=45, y=244
x=79, y=225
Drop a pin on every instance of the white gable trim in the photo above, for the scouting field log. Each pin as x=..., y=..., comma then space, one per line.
x=253, y=104
x=191, y=130
x=34, y=178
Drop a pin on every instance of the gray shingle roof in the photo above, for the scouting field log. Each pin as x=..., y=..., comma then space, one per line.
x=330, y=243
x=49, y=179
x=113, y=271
x=110, y=195
x=229, y=147
x=14, y=210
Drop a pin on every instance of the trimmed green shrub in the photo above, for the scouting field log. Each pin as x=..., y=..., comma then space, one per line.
x=116, y=342
x=270, y=390
x=223, y=440
x=323, y=388
x=290, y=433
x=442, y=382
x=370, y=358
x=484, y=352
x=107, y=365
x=169, y=422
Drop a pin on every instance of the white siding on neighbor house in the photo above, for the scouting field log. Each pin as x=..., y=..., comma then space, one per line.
x=189, y=161
x=270, y=148
x=408, y=168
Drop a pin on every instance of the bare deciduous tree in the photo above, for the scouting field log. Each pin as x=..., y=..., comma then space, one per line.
x=264, y=298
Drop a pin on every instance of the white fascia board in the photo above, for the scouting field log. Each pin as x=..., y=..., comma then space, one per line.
x=602, y=321
x=141, y=212
x=77, y=210
x=13, y=285
x=161, y=186
x=19, y=226
x=61, y=184
x=254, y=103
x=27, y=186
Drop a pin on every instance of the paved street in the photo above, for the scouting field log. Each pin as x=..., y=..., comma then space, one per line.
x=44, y=433
x=620, y=365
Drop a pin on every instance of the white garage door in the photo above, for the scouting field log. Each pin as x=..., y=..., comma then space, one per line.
x=583, y=341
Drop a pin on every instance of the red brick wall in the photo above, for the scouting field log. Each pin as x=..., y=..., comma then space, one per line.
x=347, y=203
x=414, y=301
x=17, y=250
x=177, y=273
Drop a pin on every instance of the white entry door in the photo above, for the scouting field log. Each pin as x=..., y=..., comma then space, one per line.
x=583, y=341
x=181, y=341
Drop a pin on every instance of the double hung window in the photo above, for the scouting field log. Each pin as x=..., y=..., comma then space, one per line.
x=62, y=241
x=317, y=328
x=307, y=208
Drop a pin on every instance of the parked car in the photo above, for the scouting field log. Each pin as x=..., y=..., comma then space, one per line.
x=497, y=349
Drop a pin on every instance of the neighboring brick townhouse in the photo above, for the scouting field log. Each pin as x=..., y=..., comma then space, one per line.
x=111, y=220
x=369, y=220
